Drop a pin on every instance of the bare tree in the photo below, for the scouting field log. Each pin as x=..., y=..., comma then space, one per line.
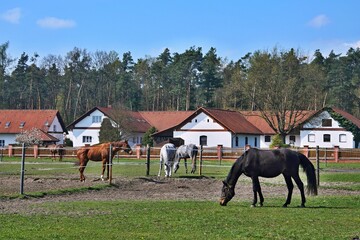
x=277, y=89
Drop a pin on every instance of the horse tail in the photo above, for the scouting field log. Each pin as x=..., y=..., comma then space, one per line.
x=309, y=169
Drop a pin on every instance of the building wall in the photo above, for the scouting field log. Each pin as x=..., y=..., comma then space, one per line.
x=214, y=138
x=313, y=132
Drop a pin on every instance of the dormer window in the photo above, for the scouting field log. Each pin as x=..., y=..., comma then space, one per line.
x=22, y=124
x=7, y=124
x=47, y=124
x=326, y=123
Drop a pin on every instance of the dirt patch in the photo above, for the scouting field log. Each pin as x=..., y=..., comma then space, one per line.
x=144, y=188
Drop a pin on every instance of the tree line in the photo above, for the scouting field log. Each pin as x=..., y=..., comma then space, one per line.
x=262, y=80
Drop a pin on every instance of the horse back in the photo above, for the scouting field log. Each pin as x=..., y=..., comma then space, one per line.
x=264, y=163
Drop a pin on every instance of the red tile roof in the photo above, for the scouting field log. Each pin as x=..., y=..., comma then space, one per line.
x=256, y=119
x=348, y=116
x=16, y=121
x=163, y=120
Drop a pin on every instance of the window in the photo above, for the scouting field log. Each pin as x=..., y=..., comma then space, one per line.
x=87, y=139
x=2, y=143
x=7, y=124
x=203, y=140
x=327, y=138
x=267, y=138
x=236, y=141
x=54, y=128
x=196, y=120
x=292, y=139
x=96, y=119
x=246, y=141
x=342, y=138
x=311, y=138
x=208, y=120
x=22, y=124
x=326, y=122
x=255, y=142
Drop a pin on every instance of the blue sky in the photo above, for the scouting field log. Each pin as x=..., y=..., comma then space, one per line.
x=146, y=28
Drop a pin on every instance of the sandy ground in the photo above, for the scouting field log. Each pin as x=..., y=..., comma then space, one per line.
x=145, y=188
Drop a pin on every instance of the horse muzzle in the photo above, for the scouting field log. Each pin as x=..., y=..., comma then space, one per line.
x=223, y=202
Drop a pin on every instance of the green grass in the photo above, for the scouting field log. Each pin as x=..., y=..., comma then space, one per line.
x=324, y=218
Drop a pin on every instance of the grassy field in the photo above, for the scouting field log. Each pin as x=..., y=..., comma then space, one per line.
x=326, y=217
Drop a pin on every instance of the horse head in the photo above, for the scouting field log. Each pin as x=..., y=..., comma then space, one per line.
x=227, y=193
x=124, y=145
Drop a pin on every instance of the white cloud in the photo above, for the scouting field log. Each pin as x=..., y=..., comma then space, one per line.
x=319, y=21
x=55, y=23
x=353, y=45
x=12, y=15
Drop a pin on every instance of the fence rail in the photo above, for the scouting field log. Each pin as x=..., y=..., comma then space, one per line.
x=208, y=153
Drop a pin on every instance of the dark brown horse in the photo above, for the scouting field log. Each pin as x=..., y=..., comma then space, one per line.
x=100, y=152
x=256, y=163
x=57, y=149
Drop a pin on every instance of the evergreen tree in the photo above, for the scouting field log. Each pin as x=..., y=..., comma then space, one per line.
x=147, y=139
x=108, y=133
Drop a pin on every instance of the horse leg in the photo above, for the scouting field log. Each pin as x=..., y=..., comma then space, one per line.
x=290, y=187
x=300, y=185
x=104, y=163
x=256, y=190
x=161, y=166
x=193, y=163
x=82, y=169
x=185, y=162
x=167, y=170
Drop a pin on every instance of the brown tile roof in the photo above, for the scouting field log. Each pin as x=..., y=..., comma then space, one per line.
x=16, y=121
x=348, y=116
x=163, y=120
x=234, y=121
x=143, y=120
x=255, y=118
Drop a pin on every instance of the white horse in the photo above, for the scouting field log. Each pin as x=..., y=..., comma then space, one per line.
x=167, y=155
x=185, y=152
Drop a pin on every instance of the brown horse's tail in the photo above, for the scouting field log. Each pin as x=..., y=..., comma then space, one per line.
x=310, y=174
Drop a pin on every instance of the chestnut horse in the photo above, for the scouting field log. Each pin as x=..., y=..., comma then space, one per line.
x=100, y=152
x=57, y=149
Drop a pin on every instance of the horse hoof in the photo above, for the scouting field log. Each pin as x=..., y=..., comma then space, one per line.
x=252, y=205
x=284, y=206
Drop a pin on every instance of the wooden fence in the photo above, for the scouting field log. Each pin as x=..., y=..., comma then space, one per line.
x=208, y=153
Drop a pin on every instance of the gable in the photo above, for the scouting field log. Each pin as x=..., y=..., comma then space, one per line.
x=202, y=122
x=320, y=121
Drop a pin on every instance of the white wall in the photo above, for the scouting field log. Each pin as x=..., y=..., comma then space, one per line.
x=213, y=138
x=316, y=131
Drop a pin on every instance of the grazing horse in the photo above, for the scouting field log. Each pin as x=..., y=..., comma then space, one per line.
x=57, y=149
x=185, y=152
x=100, y=152
x=256, y=163
x=167, y=155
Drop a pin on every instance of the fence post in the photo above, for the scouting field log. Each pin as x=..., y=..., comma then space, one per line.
x=36, y=151
x=200, y=160
x=10, y=150
x=147, y=160
x=336, y=153
x=317, y=166
x=22, y=173
x=109, y=168
x=220, y=152
x=138, y=151
x=306, y=151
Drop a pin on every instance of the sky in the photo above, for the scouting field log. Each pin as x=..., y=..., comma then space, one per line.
x=147, y=27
